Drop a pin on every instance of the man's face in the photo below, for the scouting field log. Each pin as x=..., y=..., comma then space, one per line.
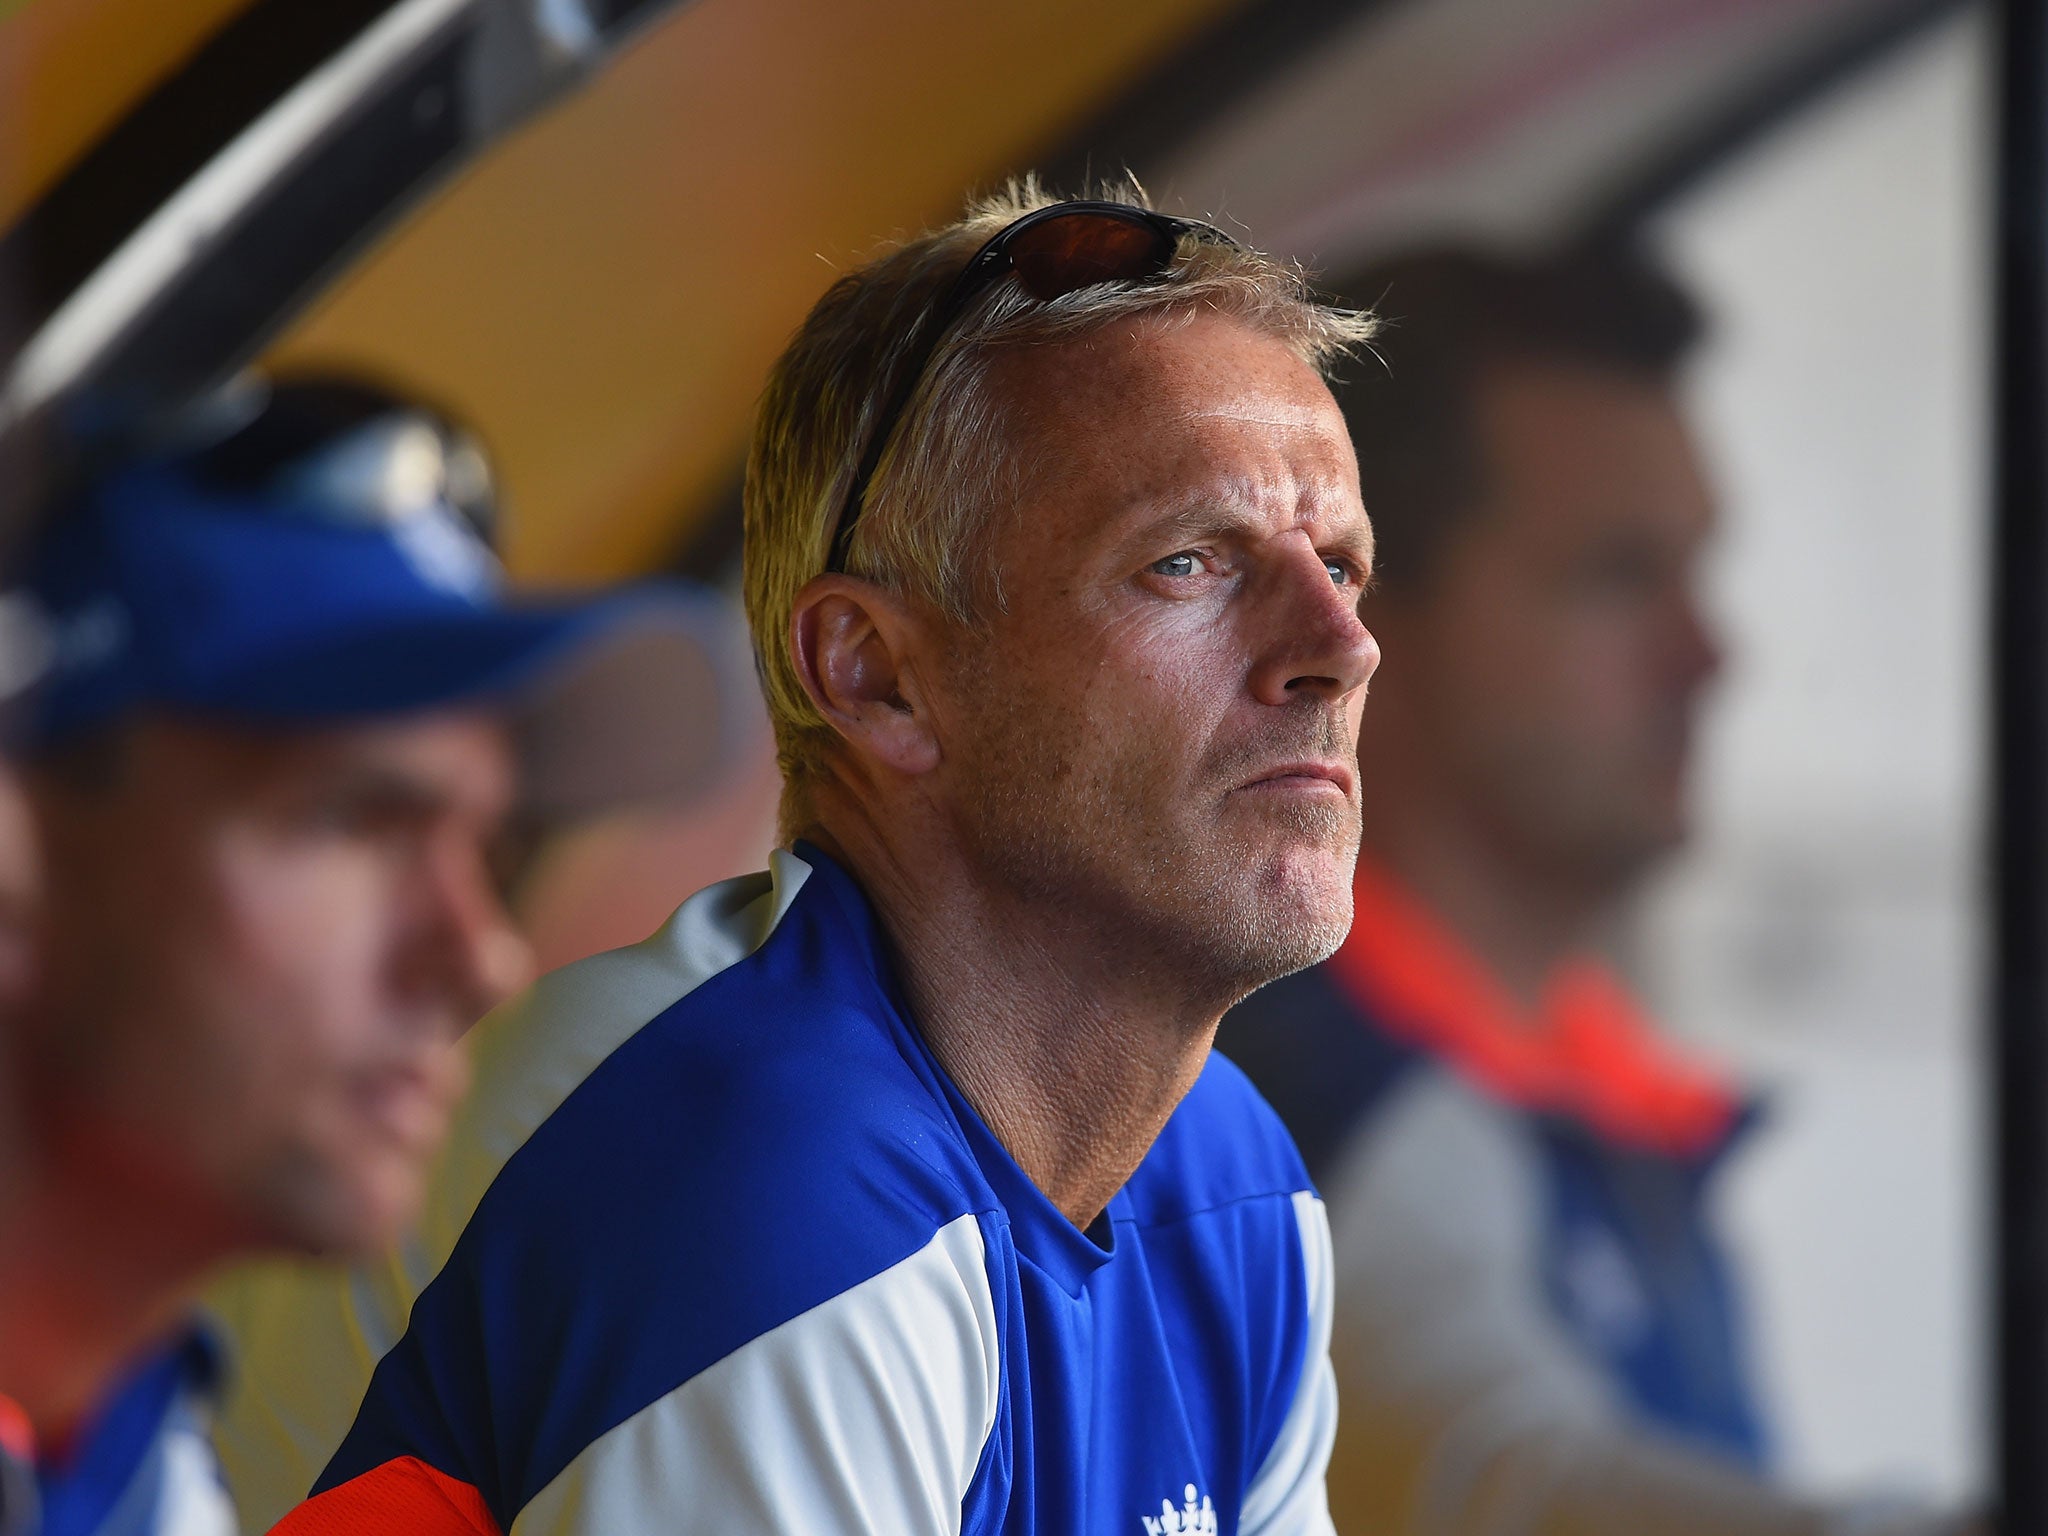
x=1157, y=731
x=1556, y=658
x=260, y=951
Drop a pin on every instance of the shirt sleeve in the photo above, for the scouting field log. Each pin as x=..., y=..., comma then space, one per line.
x=867, y=1413
x=404, y=1494
x=1467, y=1409
x=1289, y=1496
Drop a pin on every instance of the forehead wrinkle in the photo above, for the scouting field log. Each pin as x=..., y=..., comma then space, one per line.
x=1251, y=503
x=1304, y=420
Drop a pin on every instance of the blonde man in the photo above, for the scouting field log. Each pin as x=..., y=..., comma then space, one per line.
x=896, y=1190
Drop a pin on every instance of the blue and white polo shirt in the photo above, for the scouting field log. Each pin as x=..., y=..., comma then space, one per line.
x=719, y=1247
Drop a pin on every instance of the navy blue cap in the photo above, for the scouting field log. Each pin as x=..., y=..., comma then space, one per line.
x=160, y=593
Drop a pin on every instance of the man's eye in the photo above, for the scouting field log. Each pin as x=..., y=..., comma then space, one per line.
x=1186, y=563
x=1339, y=572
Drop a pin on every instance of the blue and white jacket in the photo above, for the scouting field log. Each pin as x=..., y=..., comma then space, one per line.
x=1537, y=1329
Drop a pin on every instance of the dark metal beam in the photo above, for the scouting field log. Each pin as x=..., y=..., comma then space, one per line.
x=236, y=74
x=2019, y=825
x=210, y=216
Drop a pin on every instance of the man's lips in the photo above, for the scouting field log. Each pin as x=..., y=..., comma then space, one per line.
x=1309, y=776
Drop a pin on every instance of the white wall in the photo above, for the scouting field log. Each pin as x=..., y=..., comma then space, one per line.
x=1824, y=934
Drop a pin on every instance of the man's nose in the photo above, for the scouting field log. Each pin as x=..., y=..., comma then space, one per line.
x=467, y=948
x=1696, y=649
x=1319, y=646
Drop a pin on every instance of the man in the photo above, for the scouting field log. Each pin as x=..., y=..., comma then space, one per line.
x=897, y=1190
x=1537, y=1331
x=286, y=713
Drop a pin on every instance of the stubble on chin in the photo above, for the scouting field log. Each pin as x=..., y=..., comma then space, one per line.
x=1284, y=868
x=1219, y=895
x=1289, y=900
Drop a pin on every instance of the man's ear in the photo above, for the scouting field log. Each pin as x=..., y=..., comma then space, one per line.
x=858, y=649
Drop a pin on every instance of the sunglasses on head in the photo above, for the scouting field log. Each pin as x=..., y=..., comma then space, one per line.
x=1052, y=251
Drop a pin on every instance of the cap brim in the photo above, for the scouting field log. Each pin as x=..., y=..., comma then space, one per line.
x=644, y=708
x=613, y=701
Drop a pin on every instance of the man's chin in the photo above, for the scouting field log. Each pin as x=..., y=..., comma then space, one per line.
x=349, y=1214
x=1630, y=853
x=1316, y=865
x=1311, y=936
x=1298, y=909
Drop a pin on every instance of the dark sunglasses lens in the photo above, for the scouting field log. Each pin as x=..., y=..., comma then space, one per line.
x=1056, y=256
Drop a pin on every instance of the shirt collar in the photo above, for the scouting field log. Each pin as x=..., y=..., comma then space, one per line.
x=1042, y=1232
x=1588, y=1052
x=17, y=1437
x=82, y=1482
x=19, y=1514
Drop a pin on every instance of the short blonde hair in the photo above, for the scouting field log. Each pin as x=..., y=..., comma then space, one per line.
x=945, y=476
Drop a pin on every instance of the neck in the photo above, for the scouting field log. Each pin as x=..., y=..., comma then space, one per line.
x=1073, y=1054
x=91, y=1274
x=1517, y=917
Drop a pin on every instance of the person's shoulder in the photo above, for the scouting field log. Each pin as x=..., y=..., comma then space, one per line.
x=1444, y=1173
x=699, y=1172
x=764, y=1134
x=750, y=1029
x=689, y=1125
x=724, y=939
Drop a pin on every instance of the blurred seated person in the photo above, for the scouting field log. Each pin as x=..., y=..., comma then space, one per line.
x=1537, y=1331
x=287, y=712
x=665, y=796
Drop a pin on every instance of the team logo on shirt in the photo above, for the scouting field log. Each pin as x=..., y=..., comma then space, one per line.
x=1197, y=1517
x=1602, y=1292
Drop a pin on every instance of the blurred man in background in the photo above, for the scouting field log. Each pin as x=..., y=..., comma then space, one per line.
x=638, y=749
x=287, y=714
x=1537, y=1330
